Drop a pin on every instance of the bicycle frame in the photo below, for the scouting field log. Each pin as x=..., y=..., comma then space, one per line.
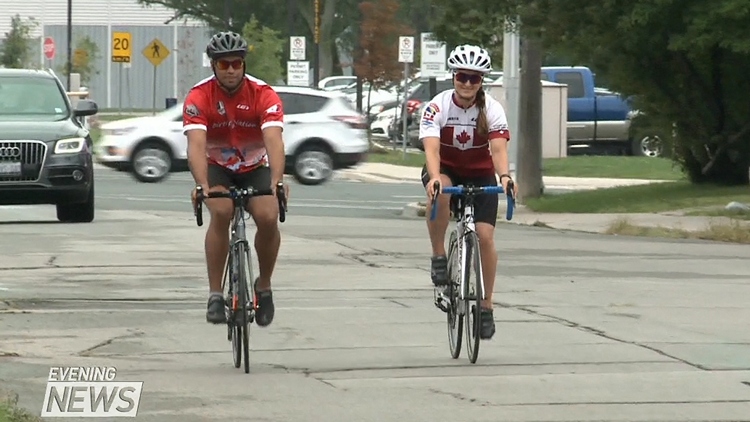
x=465, y=225
x=239, y=198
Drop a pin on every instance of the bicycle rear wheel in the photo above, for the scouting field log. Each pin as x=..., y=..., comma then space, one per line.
x=473, y=295
x=243, y=257
x=455, y=322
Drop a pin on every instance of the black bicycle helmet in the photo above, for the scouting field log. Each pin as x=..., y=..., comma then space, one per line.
x=226, y=44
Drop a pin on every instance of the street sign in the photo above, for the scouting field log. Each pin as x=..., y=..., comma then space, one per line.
x=297, y=48
x=406, y=49
x=122, y=47
x=298, y=73
x=49, y=48
x=155, y=52
x=432, y=57
x=80, y=57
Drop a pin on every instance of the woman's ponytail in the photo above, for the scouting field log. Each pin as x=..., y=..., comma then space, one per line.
x=483, y=127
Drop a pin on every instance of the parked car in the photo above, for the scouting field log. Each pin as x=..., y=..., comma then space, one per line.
x=597, y=117
x=45, y=150
x=322, y=133
x=334, y=83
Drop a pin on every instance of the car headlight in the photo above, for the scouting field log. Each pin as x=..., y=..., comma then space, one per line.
x=70, y=145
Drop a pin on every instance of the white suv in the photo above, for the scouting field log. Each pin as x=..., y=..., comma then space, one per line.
x=322, y=133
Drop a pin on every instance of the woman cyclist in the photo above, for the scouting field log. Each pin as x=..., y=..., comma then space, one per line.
x=465, y=134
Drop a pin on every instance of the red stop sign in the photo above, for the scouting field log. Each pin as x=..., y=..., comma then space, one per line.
x=49, y=48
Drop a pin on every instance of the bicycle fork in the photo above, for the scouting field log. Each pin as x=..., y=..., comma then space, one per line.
x=443, y=294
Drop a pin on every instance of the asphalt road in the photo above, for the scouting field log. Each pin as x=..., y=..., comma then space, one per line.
x=337, y=198
x=590, y=328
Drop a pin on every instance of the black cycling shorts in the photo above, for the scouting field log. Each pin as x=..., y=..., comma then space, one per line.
x=485, y=205
x=259, y=178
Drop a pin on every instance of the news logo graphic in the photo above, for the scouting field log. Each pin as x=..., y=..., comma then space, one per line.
x=89, y=392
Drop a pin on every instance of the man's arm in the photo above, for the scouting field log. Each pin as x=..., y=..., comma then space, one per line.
x=276, y=154
x=272, y=125
x=194, y=127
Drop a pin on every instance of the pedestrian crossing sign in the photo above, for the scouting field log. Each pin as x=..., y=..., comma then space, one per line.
x=155, y=52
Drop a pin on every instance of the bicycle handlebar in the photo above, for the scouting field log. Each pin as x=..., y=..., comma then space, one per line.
x=237, y=195
x=472, y=191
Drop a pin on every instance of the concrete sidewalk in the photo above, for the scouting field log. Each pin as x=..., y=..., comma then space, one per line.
x=389, y=173
x=598, y=223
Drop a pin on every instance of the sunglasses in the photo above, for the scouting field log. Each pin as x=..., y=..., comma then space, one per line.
x=225, y=64
x=465, y=77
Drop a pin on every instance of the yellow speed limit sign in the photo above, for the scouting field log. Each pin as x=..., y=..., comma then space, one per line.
x=122, y=47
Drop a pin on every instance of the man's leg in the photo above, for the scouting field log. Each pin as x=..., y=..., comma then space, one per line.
x=265, y=213
x=217, y=242
x=485, y=215
x=436, y=229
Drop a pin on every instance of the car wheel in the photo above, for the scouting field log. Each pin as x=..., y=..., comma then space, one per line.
x=313, y=164
x=648, y=146
x=151, y=162
x=77, y=213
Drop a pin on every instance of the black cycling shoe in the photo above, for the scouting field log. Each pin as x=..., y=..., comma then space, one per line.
x=264, y=314
x=487, y=329
x=215, y=314
x=439, y=270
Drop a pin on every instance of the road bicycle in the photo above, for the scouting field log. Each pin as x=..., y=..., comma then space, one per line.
x=239, y=305
x=462, y=298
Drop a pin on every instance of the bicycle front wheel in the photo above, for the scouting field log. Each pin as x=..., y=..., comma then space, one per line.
x=455, y=320
x=243, y=256
x=473, y=295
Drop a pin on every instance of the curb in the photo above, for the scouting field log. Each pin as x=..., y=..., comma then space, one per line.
x=370, y=177
x=414, y=210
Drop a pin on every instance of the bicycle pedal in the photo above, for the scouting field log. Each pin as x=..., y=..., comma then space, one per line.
x=442, y=302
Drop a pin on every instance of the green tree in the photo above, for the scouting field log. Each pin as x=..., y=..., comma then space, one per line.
x=85, y=54
x=288, y=18
x=377, y=58
x=265, y=49
x=683, y=61
x=16, y=52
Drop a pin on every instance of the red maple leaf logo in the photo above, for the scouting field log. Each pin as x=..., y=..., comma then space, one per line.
x=463, y=137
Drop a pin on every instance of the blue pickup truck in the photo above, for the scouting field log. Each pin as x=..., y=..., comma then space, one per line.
x=597, y=118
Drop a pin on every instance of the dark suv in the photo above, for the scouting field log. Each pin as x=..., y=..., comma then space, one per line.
x=45, y=151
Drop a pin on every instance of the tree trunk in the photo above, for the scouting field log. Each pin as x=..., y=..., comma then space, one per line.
x=328, y=10
x=732, y=168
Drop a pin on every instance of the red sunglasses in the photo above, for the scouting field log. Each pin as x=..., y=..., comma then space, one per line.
x=465, y=77
x=222, y=64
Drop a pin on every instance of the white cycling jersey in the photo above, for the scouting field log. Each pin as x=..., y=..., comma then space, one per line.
x=462, y=149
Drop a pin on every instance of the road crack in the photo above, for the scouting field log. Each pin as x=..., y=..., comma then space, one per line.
x=89, y=352
x=601, y=333
x=460, y=397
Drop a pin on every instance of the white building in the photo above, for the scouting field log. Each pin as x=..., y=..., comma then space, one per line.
x=118, y=84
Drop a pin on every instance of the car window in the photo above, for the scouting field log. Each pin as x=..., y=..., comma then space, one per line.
x=422, y=93
x=295, y=103
x=32, y=96
x=574, y=81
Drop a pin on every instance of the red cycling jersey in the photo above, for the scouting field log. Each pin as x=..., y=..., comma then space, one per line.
x=233, y=123
x=462, y=150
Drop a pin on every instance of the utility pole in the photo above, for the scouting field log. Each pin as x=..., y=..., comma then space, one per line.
x=227, y=16
x=529, y=164
x=316, y=36
x=69, y=65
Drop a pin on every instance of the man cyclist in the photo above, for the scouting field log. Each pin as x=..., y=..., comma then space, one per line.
x=233, y=123
x=465, y=136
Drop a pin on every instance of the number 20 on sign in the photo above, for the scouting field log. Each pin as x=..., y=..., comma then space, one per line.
x=122, y=49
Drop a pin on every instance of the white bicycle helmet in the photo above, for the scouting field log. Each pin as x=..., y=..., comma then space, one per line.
x=470, y=57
